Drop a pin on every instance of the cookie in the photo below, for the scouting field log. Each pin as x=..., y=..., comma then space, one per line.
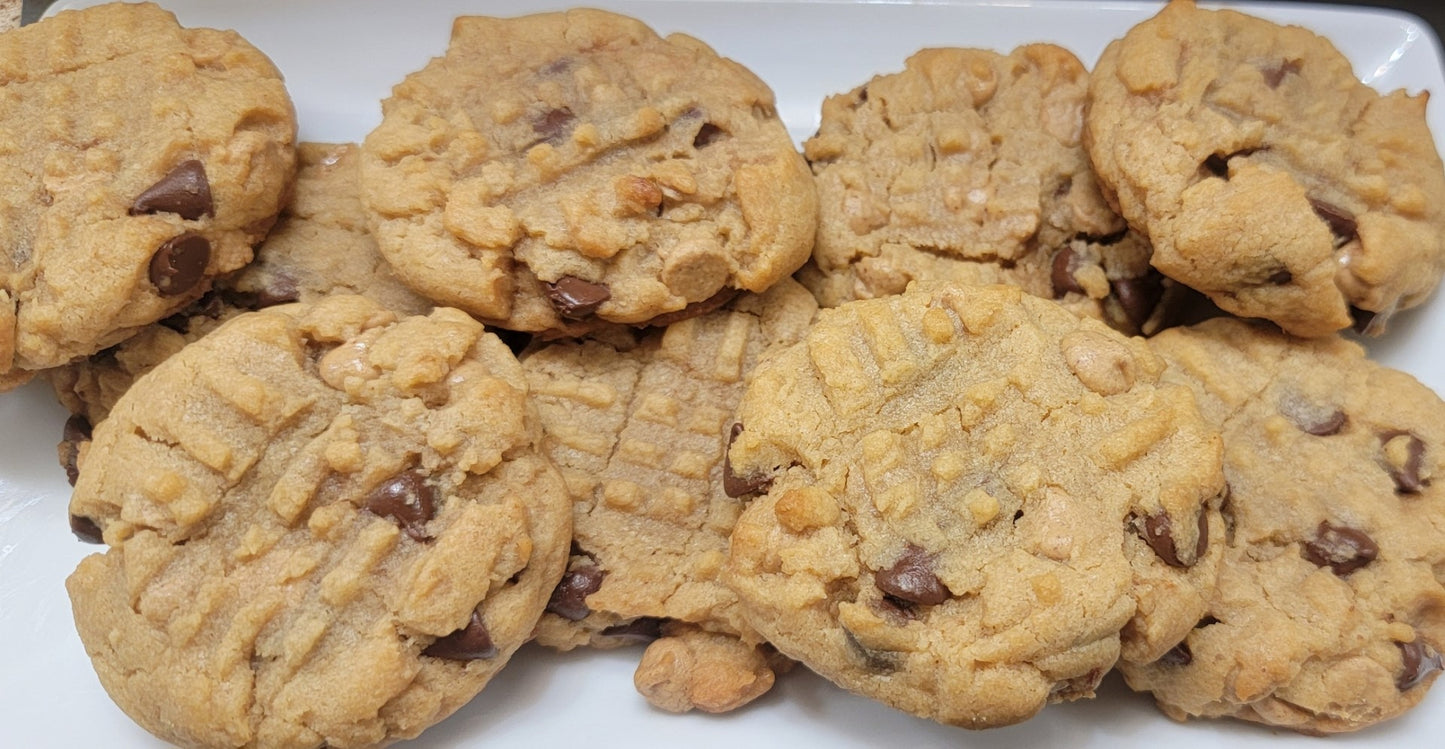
x=1328, y=615
x=320, y=246
x=1264, y=173
x=640, y=434
x=975, y=503
x=141, y=160
x=967, y=167
x=328, y=525
x=562, y=170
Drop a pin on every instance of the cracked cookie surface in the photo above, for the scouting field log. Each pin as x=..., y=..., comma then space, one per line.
x=557, y=171
x=328, y=526
x=975, y=503
x=967, y=166
x=141, y=160
x=640, y=434
x=1264, y=173
x=1328, y=615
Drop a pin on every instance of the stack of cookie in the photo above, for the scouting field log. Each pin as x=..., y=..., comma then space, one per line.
x=576, y=347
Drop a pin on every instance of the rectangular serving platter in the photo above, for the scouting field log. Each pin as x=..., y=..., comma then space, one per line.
x=340, y=58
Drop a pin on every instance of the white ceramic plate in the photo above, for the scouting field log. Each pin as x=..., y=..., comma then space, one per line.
x=340, y=57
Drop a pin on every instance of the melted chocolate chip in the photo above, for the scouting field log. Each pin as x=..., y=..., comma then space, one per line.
x=911, y=578
x=569, y=598
x=1418, y=661
x=1320, y=420
x=1341, y=222
x=574, y=298
x=641, y=630
x=1178, y=656
x=1275, y=74
x=707, y=135
x=184, y=192
x=1340, y=548
x=1078, y=687
x=470, y=643
x=873, y=660
x=896, y=610
x=695, y=309
x=179, y=263
x=75, y=432
x=1407, y=477
x=278, y=288
x=407, y=500
x=553, y=125
x=85, y=529
x=1330, y=425
x=738, y=486
x=1061, y=273
x=1139, y=296
x=1158, y=533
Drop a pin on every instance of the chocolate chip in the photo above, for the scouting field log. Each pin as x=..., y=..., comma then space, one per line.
x=1178, y=656
x=707, y=135
x=1275, y=74
x=574, y=298
x=641, y=630
x=470, y=643
x=553, y=125
x=179, y=264
x=1342, y=549
x=1157, y=531
x=1320, y=420
x=1139, y=296
x=85, y=529
x=406, y=500
x=1078, y=687
x=276, y=288
x=1341, y=222
x=736, y=486
x=1281, y=277
x=1418, y=661
x=695, y=309
x=896, y=610
x=1062, y=273
x=75, y=432
x=1407, y=477
x=184, y=191
x=911, y=578
x=873, y=660
x=569, y=598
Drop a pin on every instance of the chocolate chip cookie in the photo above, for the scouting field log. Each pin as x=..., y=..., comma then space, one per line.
x=1264, y=173
x=640, y=434
x=328, y=525
x=561, y=170
x=140, y=160
x=1330, y=611
x=967, y=166
x=974, y=502
x=320, y=246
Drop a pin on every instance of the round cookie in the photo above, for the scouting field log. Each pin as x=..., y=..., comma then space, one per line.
x=975, y=502
x=640, y=433
x=967, y=166
x=328, y=526
x=1330, y=610
x=320, y=246
x=1264, y=173
x=557, y=171
x=141, y=160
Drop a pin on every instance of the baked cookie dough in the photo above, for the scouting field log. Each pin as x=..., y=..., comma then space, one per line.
x=1330, y=611
x=140, y=160
x=967, y=166
x=975, y=503
x=320, y=246
x=558, y=171
x=328, y=525
x=1264, y=173
x=640, y=433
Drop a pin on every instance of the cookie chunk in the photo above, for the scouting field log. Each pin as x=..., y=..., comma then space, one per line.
x=328, y=525
x=1328, y=611
x=320, y=246
x=141, y=160
x=556, y=171
x=967, y=166
x=640, y=434
x=1264, y=173
x=975, y=501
